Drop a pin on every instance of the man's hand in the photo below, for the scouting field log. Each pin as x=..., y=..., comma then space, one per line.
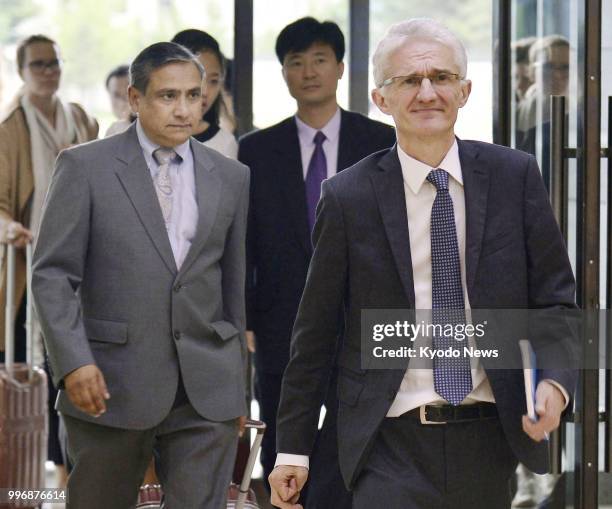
x=241, y=425
x=17, y=235
x=286, y=482
x=549, y=403
x=86, y=389
x=250, y=340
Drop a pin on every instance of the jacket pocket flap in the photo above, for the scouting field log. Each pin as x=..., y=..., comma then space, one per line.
x=224, y=330
x=106, y=331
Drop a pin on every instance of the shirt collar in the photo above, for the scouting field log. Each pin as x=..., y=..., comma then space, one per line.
x=415, y=172
x=149, y=146
x=331, y=130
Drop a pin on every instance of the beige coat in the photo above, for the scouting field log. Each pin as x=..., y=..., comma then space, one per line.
x=17, y=185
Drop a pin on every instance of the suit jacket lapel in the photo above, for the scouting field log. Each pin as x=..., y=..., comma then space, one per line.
x=291, y=176
x=208, y=193
x=135, y=178
x=476, y=189
x=389, y=188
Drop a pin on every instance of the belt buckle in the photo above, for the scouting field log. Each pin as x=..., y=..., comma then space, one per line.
x=423, y=416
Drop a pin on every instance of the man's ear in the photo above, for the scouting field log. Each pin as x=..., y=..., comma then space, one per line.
x=134, y=98
x=380, y=101
x=340, y=70
x=466, y=89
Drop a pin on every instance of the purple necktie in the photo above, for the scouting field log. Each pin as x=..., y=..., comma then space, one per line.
x=317, y=173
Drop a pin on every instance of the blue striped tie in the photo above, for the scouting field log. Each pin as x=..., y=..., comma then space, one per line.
x=452, y=375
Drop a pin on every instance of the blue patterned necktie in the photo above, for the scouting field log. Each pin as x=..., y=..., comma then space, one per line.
x=317, y=173
x=452, y=376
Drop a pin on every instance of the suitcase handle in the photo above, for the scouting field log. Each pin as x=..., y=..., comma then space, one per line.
x=9, y=322
x=260, y=427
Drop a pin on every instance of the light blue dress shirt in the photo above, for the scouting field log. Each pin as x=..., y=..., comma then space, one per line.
x=184, y=216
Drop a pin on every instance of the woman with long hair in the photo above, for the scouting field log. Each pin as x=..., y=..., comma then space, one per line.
x=209, y=131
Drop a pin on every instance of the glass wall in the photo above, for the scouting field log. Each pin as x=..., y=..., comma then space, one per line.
x=471, y=20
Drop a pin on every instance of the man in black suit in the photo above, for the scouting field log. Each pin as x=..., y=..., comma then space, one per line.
x=288, y=162
x=433, y=223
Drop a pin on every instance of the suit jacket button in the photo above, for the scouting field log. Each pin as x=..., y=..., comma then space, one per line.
x=177, y=335
x=177, y=287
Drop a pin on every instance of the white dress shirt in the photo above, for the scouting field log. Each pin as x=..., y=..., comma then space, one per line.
x=184, y=216
x=417, y=387
x=306, y=134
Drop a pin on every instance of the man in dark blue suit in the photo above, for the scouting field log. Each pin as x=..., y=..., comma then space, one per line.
x=288, y=163
x=439, y=224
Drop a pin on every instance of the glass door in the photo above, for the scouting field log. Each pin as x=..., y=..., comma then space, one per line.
x=553, y=110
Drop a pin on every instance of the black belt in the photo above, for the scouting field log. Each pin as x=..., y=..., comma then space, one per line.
x=443, y=414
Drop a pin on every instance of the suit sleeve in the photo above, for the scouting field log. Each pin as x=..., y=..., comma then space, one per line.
x=233, y=265
x=58, y=265
x=251, y=244
x=316, y=330
x=551, y=285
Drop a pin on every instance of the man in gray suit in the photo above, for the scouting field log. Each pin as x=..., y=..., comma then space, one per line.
x=138, y=279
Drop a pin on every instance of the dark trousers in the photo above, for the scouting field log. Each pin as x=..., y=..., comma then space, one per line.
x=325, y=487
x=450, y=466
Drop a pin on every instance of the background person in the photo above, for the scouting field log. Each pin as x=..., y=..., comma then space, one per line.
x=34, y=128
x=117, y=83
x=288, y=162
x=209, y=130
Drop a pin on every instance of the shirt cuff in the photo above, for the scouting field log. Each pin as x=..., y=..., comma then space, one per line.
x=561, y=388
x=294, y=460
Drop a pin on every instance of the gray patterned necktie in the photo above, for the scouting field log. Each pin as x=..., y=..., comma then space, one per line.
x=163, y=184
x=452, y=375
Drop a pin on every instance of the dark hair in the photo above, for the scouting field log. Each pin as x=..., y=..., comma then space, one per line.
x=198, y=41
x=118, y=72
x=155, y=56
x=33, y=39
x=303, y=33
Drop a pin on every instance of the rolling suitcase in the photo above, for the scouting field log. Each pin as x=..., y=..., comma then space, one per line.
x=238, y=497
x=23, y=404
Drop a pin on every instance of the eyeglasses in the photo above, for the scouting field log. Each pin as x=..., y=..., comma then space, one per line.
x=39, y=66
x=413, y=82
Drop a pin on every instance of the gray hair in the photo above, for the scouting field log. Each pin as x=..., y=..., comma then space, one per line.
x=158, y=55
x=417, y=28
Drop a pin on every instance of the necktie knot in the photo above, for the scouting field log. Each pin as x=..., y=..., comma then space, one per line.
x=164, y=155
x=319, y=138
x=438, y=178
